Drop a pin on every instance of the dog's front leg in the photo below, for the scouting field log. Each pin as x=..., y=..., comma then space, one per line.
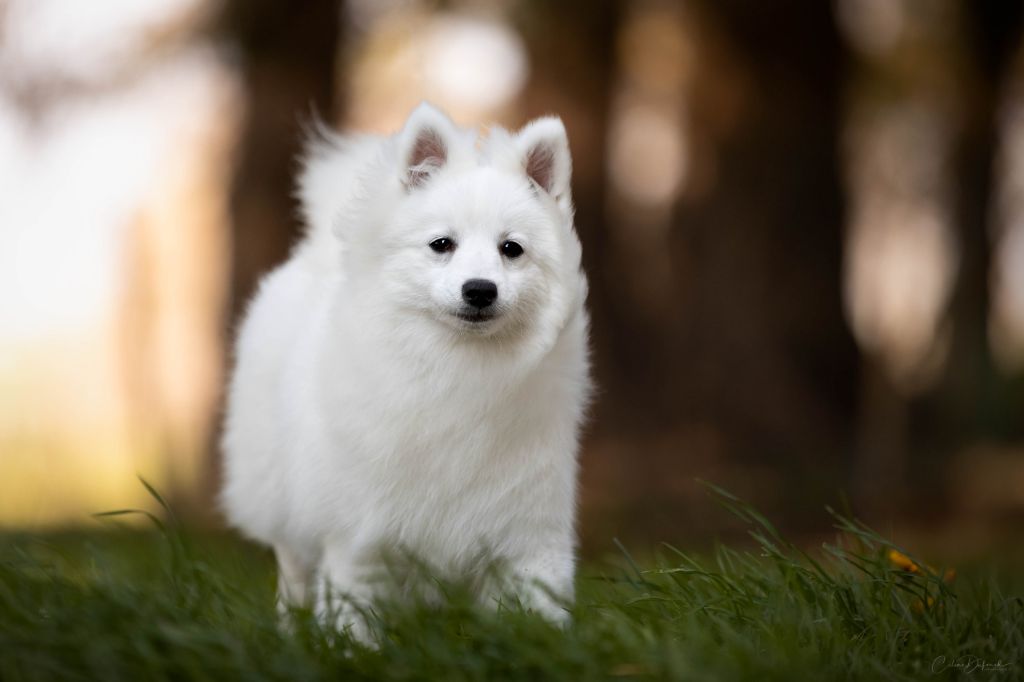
x=346, y=575
x=295, y=570
x=543, y=582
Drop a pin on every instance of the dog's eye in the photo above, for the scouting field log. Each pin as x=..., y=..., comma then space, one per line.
x=442, y=245
x=511, y=249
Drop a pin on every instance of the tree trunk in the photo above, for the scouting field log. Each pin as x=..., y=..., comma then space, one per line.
x=288, y=53
x=964, y=407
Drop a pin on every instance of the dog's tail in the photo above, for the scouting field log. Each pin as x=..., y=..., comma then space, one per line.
x=329, y=184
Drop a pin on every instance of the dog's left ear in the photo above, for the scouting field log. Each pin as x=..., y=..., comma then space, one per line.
x=544, y=152
x=425, y=145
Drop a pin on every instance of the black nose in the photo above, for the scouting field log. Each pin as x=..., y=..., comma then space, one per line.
x=479, y=293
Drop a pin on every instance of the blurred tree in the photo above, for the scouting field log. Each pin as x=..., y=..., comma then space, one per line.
x=973, y=395
x=900, y=127
x=759, y=346
x=287, y=54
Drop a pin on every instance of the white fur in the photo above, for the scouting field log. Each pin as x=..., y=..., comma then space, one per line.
x=364, y=417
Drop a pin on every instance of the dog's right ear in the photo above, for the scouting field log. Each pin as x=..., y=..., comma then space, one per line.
x=544, y=155
x=425, y=145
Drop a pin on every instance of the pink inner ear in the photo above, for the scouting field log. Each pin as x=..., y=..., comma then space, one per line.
x=540, y=165
x=428, y=153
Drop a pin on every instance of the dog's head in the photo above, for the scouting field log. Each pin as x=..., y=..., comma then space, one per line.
x=478, y=240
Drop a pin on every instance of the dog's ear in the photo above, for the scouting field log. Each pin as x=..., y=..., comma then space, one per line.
x=425, y=144
x=544, y=152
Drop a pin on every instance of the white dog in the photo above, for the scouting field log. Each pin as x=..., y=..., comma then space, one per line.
x=414, y=377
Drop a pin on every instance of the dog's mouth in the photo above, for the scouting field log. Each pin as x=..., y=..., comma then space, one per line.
x=475, y=316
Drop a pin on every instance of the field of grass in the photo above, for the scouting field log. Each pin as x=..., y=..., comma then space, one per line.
x=128, y=605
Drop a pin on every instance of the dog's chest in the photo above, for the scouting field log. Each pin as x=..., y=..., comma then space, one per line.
x=445, y=463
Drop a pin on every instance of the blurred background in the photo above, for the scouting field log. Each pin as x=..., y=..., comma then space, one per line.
x=803, y=224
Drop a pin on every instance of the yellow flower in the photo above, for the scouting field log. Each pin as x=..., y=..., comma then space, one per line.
x=919, y=606
x=903, y=562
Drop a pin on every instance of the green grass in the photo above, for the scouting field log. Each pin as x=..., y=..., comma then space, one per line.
x=170, y=605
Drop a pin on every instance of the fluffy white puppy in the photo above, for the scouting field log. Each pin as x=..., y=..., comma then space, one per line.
x=414, y=376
